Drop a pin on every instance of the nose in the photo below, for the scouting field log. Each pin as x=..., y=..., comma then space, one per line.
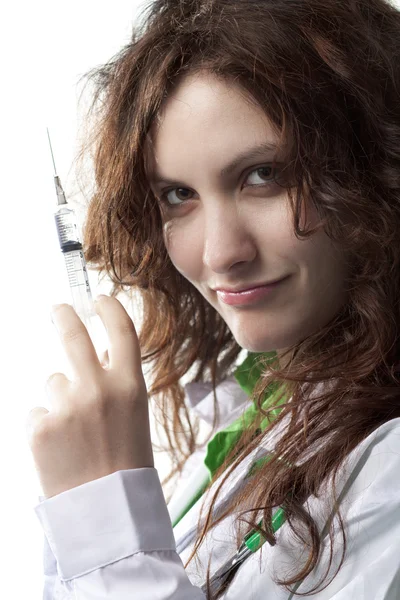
x=228, y=239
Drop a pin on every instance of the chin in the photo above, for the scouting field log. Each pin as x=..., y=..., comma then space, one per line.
x=264, y=343
x=260, y=345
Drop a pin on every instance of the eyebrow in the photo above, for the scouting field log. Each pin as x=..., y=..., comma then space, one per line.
x=247, y=154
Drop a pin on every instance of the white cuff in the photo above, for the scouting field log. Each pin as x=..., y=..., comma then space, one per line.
x=105, y=520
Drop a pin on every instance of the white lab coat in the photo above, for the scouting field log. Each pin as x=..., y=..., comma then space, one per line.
x=112, y=538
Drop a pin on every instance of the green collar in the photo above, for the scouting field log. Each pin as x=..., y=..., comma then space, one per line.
x=247, y=375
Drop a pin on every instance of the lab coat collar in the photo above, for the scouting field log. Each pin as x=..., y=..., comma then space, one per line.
x=232, y=400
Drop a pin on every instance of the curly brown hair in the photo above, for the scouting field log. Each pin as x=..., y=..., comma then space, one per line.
x=327, y=76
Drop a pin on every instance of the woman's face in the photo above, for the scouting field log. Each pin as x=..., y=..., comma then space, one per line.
x=231, y=227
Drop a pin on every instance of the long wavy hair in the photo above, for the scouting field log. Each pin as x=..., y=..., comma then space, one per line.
x=327, y=76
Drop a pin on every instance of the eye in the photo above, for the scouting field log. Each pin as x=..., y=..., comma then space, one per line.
x=265, y=173
x=182, y=195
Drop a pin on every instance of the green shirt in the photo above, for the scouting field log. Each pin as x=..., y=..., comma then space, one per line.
x=247, y=375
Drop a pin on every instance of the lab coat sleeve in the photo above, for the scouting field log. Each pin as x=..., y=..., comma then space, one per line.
x=111, y=539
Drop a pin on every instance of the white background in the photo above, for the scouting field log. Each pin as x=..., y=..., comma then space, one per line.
x=45, y=48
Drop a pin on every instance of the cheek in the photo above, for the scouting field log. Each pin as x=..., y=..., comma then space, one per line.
x=272, y=230
x=184, y=249
x=306, y=250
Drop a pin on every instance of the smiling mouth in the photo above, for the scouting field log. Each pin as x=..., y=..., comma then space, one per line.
x=252, y=287
x=250, y=296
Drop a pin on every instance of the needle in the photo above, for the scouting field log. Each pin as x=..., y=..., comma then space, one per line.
x=59, y=190
x=51, y=150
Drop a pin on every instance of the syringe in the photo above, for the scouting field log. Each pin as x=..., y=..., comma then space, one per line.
x=71, y=247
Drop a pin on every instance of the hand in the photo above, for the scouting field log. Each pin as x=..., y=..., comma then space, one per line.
x=99, y=421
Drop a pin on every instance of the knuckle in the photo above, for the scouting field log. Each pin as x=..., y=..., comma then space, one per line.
x=93, y=393
x=91, y=397
x=132, y=389
x=71, y=334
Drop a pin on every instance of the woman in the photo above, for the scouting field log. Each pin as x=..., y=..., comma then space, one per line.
x=239, y=144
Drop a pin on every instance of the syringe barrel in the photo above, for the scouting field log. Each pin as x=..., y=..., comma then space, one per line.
x=79, y=284
x=71, y=247
x=67, y=229
x=82, y=300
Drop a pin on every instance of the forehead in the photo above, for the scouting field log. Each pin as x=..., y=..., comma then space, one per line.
x=204, y=96
x=210, y=114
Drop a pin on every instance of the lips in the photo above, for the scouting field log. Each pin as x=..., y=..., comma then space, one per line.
x=252, y=286
x=250, y=296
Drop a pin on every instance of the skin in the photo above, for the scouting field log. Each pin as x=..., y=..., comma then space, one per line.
x=98, y=422
x=222, y=231
x=232, y=230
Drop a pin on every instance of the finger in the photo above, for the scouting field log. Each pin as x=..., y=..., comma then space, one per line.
x=123, y=347
x=56, y=388
x=76, y=342
x=56, y=380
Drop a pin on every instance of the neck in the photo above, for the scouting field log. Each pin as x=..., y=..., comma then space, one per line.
x=284, y=357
